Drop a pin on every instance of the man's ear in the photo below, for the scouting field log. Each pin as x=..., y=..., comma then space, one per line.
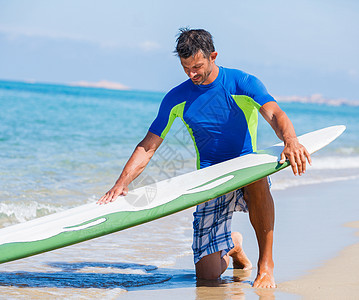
x=213, y=56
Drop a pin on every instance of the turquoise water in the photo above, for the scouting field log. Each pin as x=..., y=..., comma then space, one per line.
x=61, y=146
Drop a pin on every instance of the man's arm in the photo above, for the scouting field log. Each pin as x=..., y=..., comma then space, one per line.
x=283, y=127
x=134, y=167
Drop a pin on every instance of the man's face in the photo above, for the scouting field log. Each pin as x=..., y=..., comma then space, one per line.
x=198, y=68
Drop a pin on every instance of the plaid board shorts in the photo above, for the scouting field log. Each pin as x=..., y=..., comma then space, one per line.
x=212, y=224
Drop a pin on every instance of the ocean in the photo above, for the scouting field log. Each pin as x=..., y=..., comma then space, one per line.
x=63, y=146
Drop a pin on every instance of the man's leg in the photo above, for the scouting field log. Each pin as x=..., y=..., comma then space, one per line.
x=261, y=213
x=211, y=266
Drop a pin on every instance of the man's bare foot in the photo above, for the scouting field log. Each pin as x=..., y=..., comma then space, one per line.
x=240, y=259
x=265, y=278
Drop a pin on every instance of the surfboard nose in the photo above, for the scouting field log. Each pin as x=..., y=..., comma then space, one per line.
x=327, y=135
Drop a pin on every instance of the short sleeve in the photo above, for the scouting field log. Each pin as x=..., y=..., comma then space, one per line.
x=255, y=89
x=165, y=117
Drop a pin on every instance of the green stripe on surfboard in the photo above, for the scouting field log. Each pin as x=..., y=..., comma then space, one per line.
x=123, y=220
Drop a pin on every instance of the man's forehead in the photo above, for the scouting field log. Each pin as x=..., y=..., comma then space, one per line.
x=193, y=60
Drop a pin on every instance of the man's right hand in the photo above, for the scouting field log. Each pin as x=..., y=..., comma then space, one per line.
x=112, y=194
x=134, y=167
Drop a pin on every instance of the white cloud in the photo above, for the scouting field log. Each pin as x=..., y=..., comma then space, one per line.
x=353, y=72
x=150, y=46
x=19, y=32
x=13, y=33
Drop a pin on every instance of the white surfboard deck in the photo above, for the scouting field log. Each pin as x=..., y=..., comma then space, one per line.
x=149, y=202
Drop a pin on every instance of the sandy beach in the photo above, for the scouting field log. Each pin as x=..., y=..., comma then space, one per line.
x=337, y=278
x=316, y=257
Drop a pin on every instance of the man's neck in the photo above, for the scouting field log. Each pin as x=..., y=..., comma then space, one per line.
x=213, y=76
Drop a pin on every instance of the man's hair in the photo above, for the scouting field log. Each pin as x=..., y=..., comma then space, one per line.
x=190, y=41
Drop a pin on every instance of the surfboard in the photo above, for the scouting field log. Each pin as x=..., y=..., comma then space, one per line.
x=149, y=202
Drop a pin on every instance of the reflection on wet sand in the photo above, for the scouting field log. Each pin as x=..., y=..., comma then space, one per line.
x=228, y=287
x=127, y=281
x=86, y=275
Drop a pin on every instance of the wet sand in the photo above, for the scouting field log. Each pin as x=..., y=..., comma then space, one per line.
x=337, y=278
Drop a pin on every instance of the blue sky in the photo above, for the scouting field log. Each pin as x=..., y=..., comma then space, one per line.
x=295, y=47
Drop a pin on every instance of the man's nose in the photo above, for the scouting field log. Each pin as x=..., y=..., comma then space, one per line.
x=192, y=74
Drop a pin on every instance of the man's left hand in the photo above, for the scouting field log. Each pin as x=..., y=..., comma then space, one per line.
x=297, y=156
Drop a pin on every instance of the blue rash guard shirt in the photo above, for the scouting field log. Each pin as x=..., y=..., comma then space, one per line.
x=221, y=117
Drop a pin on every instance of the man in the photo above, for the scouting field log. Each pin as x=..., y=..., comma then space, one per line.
x=219, y=107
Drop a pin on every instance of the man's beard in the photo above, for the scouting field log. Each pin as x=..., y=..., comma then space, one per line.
x=204, y=78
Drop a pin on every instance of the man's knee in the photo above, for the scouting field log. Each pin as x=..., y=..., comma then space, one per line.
x=211, y=267
x=209, y=274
